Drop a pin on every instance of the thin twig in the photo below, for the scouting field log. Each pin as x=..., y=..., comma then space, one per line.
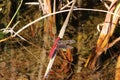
x=14, y=15
x=114, y=42
x=41, y=5
x=66, y=5
x=32, y=3
x=77, y=9
x=15, y=25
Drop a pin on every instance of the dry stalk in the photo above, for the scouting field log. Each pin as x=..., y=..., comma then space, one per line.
x=62, y=31
x=48, y=23
x=108, y=28
x=61, y=34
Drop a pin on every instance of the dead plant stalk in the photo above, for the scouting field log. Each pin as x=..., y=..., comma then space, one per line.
x=61, y=34
x=108, y=28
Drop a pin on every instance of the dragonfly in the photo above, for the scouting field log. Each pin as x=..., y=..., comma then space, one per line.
x=64, y=44
x=53, y=50
x=58, y=44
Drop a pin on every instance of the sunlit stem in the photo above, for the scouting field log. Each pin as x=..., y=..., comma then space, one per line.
x=77, y=9
x=13, y=16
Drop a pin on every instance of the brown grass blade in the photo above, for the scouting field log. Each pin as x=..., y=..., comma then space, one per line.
x=106, y=32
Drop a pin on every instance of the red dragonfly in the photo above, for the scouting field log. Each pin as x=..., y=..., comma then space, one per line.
x=60, y=44
x=57, y=44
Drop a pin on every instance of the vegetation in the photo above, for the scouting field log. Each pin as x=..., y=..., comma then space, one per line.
x=59, y=40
